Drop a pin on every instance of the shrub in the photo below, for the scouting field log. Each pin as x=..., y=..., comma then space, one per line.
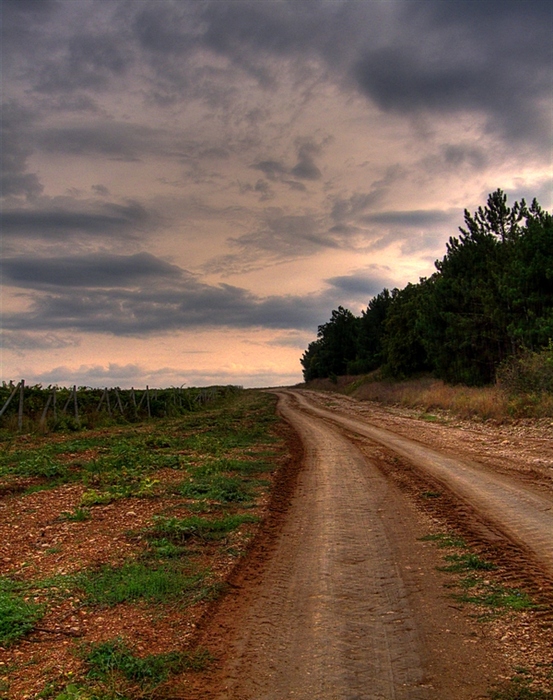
x=528, y=373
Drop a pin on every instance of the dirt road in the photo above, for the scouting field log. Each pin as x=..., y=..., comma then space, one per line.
x=517, y=511
x=349, y=603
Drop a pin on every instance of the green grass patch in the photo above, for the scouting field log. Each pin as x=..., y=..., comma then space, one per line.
x=115, y=672
x=431, y=418
x=475, y=589
x=225, y=489
x=77, y=515
x=115, y=657
x=495, y=596
x=17, y=616
x=445, y=540
x=466, y=562
x=142, y=581
x=165, y=549
x=78, y=692
x=519, y=688
x=248, y=467
x=182, y=529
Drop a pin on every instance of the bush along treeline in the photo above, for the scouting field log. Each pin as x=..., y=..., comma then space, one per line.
x=490, y=302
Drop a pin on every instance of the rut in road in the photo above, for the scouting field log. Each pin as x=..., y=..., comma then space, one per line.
x=521, y=515
x=331, y=618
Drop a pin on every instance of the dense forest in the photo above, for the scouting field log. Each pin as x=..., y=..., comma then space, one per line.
x=490, y=299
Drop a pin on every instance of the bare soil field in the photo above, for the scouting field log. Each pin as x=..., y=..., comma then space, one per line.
x=397, y=557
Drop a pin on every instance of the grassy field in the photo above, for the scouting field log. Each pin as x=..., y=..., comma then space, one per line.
x=429, y=394
x=116, y=541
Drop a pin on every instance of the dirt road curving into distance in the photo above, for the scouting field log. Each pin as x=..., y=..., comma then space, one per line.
x=517, y=511
x=348, y=603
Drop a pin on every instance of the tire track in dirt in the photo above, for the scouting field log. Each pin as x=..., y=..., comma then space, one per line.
x=347, y=604
x=523, y=516
x=331, y=619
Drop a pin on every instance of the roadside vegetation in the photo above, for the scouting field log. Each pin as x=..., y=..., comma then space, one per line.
x=433, y=398
x=484, y=318
x=117, y=540
x=475, y=583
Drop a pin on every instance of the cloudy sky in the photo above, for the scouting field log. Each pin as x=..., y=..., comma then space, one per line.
x=190, y=187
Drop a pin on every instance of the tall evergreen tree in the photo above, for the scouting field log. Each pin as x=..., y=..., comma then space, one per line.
x=404, y=351
x=490, y=297
x=370, y=348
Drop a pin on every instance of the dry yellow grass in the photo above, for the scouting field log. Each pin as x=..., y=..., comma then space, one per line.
x=429, y=394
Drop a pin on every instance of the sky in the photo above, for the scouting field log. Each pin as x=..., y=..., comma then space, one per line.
x=190, y=187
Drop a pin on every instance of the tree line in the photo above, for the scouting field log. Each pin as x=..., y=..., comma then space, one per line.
x=490, y=298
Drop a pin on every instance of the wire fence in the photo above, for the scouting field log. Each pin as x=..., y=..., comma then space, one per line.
x=28, y=408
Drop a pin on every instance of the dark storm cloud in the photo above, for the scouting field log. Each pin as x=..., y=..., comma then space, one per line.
x=17, y=124
x=140, y=295
x=115, y=140
x=365, y=284
x=21, y=21
x=28, y=340
x=492, y=58
x=417, y=218
x=101, y=190
x=277, y=237
x=151, y=310
x=65, y=222
x=85, y=62
x=304, y=169
x=96, y=270
x=272, y=169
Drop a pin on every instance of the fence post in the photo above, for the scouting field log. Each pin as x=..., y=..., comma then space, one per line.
x=133, y=397
x=119, y=401
x=20, y=410
x=75, y=403
x=43, y=416
x=66, y=405
x=101, y=400
x=148, y=401
x=5, y=406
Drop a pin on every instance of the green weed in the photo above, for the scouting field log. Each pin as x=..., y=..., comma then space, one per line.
x=115, y=656
x=139, y=580
x=495, y=596
x=247, y=467
x=77, y=692
x=77, y=515
x=220, y=488
x=17, y=617
x=444, y=540
x=466, y=562
x=92, y=497
x=519, y=688
x=180, y=530
x=431, y=418
x=165, y=549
